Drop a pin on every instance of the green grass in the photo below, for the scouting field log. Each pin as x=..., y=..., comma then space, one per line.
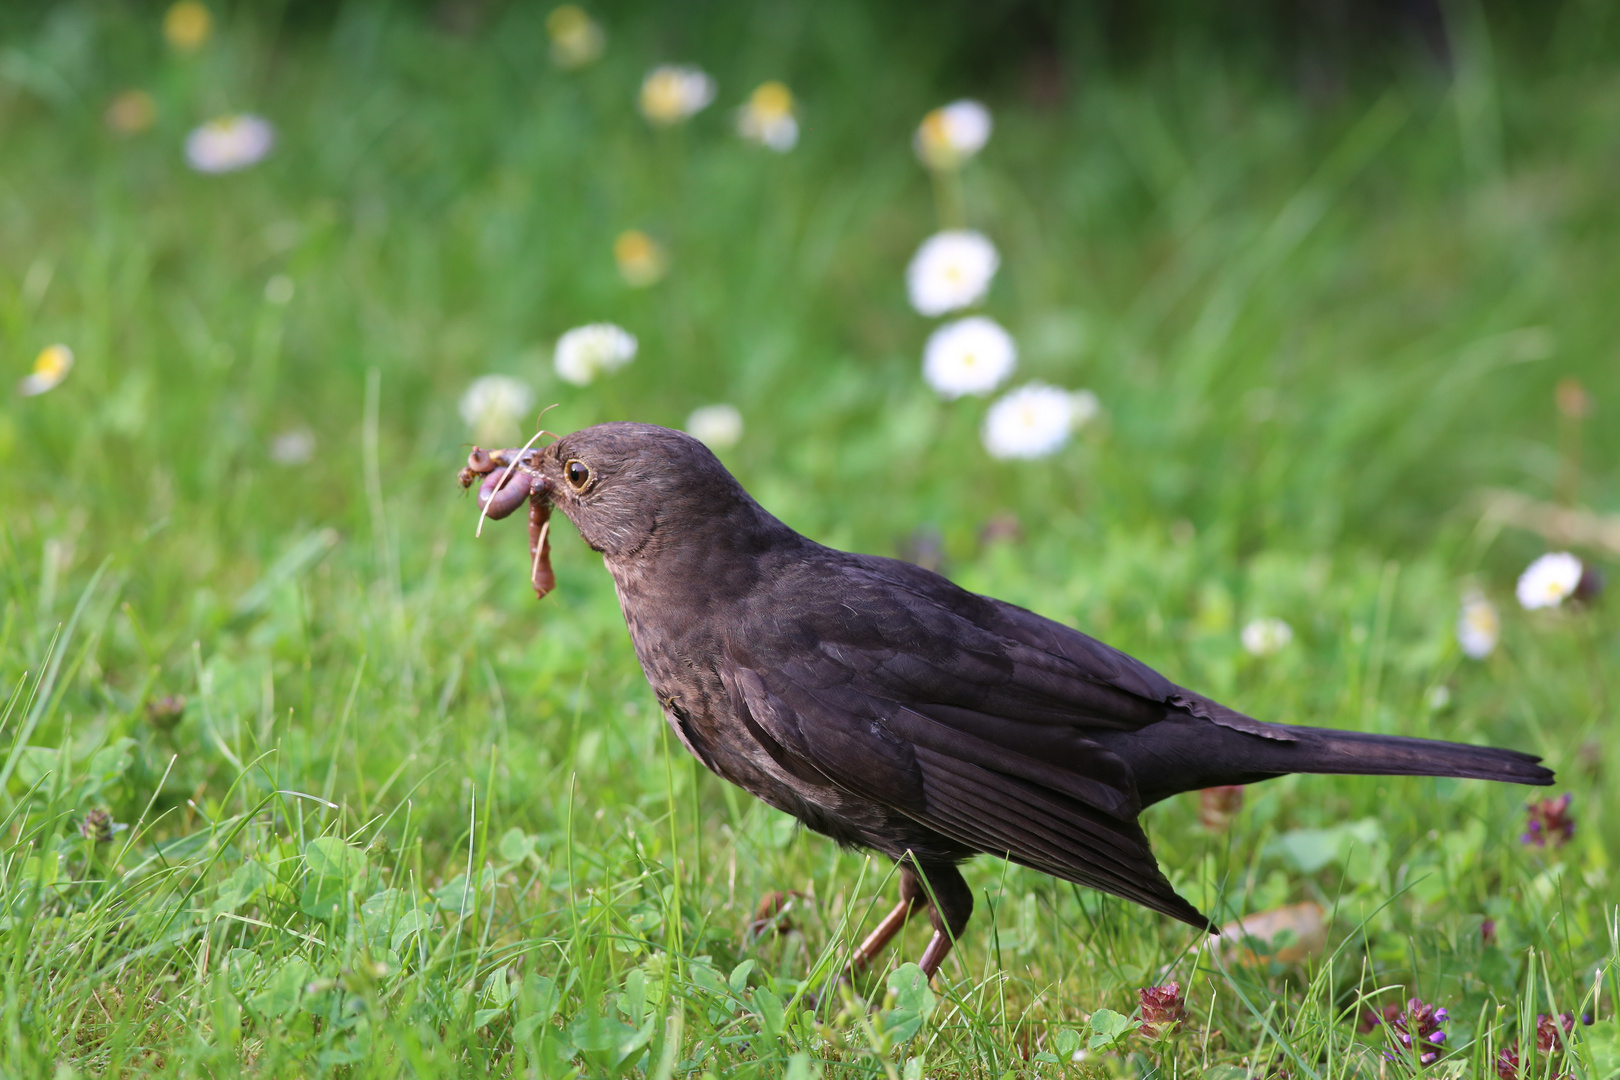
x=413, y=821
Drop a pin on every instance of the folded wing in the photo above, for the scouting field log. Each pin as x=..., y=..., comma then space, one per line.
x=980, y=736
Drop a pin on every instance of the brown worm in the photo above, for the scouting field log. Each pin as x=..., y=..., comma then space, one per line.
x=504, y=491
x=541, y=576
x=507, y=481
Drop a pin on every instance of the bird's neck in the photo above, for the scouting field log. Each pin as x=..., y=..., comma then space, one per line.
x=692, y=568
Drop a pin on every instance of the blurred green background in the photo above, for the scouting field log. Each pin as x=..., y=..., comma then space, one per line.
x=1323, y=268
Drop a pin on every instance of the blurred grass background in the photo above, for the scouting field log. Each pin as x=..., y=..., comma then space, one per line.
x=1324, y=274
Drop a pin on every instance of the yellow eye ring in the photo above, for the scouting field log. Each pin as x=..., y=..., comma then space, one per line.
x=578, y=474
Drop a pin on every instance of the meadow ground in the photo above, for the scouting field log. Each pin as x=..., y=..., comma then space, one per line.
x=411, y=821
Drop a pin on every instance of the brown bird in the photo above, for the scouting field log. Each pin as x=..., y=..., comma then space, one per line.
x=889, y=709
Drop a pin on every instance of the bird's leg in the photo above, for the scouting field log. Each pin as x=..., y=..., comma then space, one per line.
x=939, y=947
x=879, y=939
x=912, y=900
x=949, y=908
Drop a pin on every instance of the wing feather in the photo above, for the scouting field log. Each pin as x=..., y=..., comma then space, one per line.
x=1032, y=827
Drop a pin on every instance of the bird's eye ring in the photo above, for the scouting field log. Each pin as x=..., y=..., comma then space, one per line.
x=578, y=474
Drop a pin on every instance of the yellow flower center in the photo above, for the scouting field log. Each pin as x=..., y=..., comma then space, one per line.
x=53, y=362
x=661, y=97
x=633, y=246
x=187, y=24
x=934, y=142
x=641, y=261
x=771, y=101
x=568, y=23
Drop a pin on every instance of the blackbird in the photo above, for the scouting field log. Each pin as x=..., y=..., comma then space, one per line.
x=888, y=709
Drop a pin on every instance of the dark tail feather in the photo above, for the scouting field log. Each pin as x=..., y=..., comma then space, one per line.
x=1167, y=762
x=1323, y=750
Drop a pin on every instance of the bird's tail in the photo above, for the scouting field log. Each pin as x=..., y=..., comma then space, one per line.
x=1166, y=763
x=1324, y=750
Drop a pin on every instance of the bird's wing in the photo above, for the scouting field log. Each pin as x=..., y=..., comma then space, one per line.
x=1076, y=653
x=972, y=791
x=920, y=707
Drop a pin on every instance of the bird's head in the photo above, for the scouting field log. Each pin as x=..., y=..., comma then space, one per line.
x=630, y=487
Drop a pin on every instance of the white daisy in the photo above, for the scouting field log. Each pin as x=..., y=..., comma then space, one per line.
x=951, y=134
x=596, y=349
x=1034, y=420
x=1265, y=636
x=295, y=446
x=51, y=366
x=768, y=118
x=969, y=356
x=576, y=39
x=229, y=143
x=1549, y=581
x=951, y=270
x=1479, y=627
x=675, y=92
x=716, y=426
x=494, y=404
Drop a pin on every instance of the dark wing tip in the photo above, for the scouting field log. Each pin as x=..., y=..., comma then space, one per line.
x=1176, y=906
x=1522, y=768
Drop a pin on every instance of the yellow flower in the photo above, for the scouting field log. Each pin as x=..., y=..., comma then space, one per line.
x=674, y=92
x=187, y=25
x=576, y=39
x=641, y=261
x=131, y=112
x=768, y=117
x=51, y=366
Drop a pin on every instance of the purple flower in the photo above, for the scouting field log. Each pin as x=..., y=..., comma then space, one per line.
x=96, y=825
x=1548, y=1040
x=1163, y=1010
x=1549, y=819
x=1549, y=1043
x=1487, y=932
x=1417, y=1028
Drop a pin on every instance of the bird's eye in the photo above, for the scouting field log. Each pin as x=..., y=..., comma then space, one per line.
x=578, y=474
